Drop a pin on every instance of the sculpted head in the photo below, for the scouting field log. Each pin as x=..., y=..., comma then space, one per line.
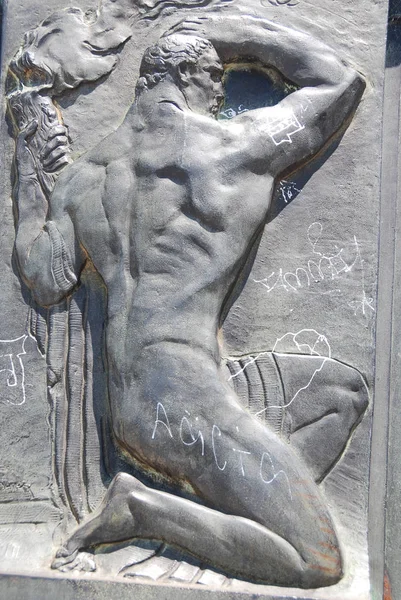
x=192, y=64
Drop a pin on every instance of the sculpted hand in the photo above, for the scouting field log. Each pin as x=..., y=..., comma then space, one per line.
x=25, y=161
x=55, y=152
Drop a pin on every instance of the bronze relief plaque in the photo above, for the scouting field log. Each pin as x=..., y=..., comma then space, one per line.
x=189, y=245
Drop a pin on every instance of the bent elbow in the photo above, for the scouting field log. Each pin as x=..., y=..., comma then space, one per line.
x=358, y=85
x=44, y=291
x=39, y=279
x=47, y=296
x=353, y=86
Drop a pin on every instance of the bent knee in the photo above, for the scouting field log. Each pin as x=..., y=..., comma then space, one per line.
x=351, y=390
x=321, y=554
x=357, y=390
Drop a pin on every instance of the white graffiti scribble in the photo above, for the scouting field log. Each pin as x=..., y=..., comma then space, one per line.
x=280, y=2
x=288, y=190
x=306, y=341
x=282, y=125
x=365, y=303
x=13, y=380
x=248, y=464
x=161, y=412
x=274, y=474
x=230, y=113
x=331, y=265
x=217, y=429
x=241, y=453
x=362, y=305
x=186, y=429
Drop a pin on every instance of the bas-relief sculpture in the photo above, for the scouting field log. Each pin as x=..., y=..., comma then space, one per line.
x=150, y=235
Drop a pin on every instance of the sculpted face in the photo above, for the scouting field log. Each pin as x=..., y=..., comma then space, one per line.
x=202, y=83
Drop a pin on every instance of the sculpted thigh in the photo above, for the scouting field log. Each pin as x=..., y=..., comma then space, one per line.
x=167, y=413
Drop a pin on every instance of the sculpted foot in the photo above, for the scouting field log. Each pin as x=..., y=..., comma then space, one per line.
x=77, y=561
x=112, y=522
x=63, y=558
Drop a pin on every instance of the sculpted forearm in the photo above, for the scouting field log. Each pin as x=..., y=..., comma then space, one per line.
x=43, y=258
x=35, y=264
x=32, y=209
x=301, y=58
x=299, y=126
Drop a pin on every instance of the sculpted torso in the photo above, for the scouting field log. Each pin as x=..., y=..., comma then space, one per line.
x=167, y=210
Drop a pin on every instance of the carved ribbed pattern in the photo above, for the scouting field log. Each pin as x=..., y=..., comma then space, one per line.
x=56, y=349
x=62, y=271
x=257, y=383
x=74, y=467
x=38, y=325
x=95, y=392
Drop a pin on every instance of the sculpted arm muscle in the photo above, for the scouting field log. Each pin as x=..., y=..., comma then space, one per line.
x=284, y=136
x=45, y=242
x=300, y=125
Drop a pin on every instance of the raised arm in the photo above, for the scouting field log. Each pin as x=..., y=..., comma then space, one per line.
x=300, y=125
x=45, y=248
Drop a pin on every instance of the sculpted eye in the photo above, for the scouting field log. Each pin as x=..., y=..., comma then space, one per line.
x=216, y=75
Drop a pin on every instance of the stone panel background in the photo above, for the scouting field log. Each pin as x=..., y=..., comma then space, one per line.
x=332, y=215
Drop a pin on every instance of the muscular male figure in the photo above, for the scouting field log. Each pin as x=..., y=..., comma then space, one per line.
x=167, y=209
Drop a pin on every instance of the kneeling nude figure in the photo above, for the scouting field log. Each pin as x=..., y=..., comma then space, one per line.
x=168, y=209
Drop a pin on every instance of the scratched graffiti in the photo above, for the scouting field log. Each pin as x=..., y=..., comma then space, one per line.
x=329, y=264
x=288, y=190
x=230, y=113
x=9, y=549
x=282, y=126
x=305, y=341
x=12, y=372
x=224, y=456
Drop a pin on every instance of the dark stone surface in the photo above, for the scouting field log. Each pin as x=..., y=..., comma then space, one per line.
x=189, y=307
